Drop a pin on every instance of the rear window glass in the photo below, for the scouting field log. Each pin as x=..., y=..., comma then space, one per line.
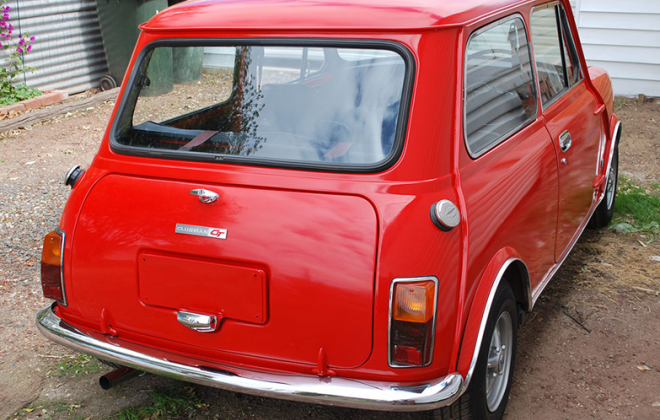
x=309, y=105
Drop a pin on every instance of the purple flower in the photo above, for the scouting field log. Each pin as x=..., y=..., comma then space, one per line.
x=5, y=16
x=7, y=8
x=29, y=48
x=20, y=50
x=32, y=38
x=22, y=41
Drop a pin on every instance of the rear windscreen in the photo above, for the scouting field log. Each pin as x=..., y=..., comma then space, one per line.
x=252, y=104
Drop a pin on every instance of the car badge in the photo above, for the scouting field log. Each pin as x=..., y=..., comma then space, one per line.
x=207, y=232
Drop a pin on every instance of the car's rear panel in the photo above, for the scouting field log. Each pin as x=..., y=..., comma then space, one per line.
x=292, y=276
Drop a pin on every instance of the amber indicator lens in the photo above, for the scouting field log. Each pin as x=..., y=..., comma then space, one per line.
x=411, y=326
x=51, y=260
x=414, y=302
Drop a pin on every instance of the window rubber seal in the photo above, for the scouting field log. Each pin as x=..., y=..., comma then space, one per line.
x=402, y=119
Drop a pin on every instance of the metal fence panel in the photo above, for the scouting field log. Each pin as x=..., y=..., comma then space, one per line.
x=68, y=51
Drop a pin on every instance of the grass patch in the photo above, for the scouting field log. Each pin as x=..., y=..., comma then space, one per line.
x=619, y=102
x=166, y=403
x=55, y=409
x=82, y=364
x=637, y=209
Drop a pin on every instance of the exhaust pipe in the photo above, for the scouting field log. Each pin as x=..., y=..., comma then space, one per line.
x=117, y=376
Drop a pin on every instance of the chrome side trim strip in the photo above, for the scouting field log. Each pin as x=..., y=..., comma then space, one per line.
x=353, y=393
x=61, y=232
x=484, y=320
x=609, y=161
x=539, y=289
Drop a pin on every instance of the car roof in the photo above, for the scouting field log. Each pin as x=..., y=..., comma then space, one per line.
x=319, y=15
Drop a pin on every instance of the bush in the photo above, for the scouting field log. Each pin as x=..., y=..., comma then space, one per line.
x=10, y=92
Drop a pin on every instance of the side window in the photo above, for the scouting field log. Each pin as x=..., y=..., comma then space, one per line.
x=554, y=51
x=500, y=94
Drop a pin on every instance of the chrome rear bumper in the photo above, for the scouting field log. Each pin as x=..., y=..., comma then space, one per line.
x=311, y=389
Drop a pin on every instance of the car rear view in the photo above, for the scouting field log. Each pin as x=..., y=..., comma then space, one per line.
x=194, y=248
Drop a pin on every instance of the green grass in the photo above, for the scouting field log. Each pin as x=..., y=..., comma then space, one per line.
x=637, y=209
x=81, y=364
x=58, y=409
x=619, y=102
x=180, y=401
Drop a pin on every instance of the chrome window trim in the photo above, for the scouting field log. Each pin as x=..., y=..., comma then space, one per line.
x=530, y=120
x=61, y=232
x=570, y=40
x=389, y=319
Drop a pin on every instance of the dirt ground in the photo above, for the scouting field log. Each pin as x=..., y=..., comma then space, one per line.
x=591, y=348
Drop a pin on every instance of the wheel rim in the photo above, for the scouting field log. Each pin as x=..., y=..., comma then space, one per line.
x=499, y=361
x=611, y=184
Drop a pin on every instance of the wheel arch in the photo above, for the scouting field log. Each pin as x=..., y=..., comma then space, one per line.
x=506, y=264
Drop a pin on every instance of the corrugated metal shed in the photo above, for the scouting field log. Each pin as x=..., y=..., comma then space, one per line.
x=623, y=37
x=68, y=51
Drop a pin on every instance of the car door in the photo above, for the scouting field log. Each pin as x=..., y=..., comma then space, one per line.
x=569, y=113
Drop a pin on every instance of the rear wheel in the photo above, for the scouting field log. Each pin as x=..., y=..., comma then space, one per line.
x=489, y=388
x=603, y=214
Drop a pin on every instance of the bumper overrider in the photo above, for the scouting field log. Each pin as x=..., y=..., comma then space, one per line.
x=335, y=391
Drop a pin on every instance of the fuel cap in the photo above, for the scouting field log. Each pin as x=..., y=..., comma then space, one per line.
x=445, y=215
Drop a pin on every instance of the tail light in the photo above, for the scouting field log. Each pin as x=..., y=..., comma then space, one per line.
x=412, y=321
x=52, y=277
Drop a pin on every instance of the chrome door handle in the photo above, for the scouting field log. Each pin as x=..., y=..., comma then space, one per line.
x=205, y=196
x=565, y=141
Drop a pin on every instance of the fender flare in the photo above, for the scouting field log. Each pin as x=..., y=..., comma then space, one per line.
x=475, y=326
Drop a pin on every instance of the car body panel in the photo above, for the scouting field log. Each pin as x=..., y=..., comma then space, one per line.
x=326, y=245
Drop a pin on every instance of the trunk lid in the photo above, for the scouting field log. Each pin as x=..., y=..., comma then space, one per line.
x=286, y=273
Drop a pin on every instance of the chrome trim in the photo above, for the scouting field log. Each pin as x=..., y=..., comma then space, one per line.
x=203, y=231
x=205, y=196
x=563, y=20
x=484, y=321
x=565, y=141
x=532, y=64
x=61, y=232
x=585, y=222
x=542, y=285
x=345, y=392
x=446, y=214
x=389, y=320
x=71, y=171
x=615, y=141
x=197, y=322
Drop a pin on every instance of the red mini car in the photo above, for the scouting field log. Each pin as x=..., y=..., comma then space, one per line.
x=348, y=204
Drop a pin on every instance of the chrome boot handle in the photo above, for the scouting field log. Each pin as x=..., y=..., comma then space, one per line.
x=205, y=196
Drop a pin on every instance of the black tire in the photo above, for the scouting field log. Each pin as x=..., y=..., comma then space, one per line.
x=603, y=214
x=474, y=403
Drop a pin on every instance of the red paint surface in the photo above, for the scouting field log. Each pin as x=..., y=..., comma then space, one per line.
x=330, y=244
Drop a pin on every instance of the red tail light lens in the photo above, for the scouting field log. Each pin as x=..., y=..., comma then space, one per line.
x=412, y=321
x=52, y=280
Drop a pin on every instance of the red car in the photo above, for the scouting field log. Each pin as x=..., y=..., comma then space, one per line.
x=346, y=204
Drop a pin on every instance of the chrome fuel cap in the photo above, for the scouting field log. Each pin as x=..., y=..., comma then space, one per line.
x=445, y=215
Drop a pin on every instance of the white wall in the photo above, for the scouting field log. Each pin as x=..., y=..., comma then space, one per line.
x=623, y=37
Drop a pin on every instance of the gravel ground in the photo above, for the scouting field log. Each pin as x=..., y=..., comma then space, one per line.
x=563, y=371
